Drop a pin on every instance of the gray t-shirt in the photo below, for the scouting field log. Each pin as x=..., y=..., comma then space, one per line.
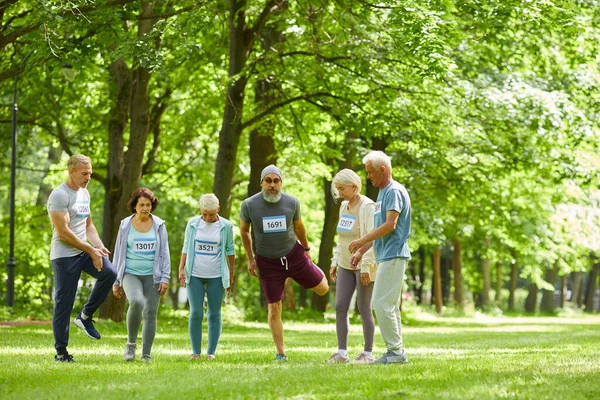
x=272, y=223
x=77, y=205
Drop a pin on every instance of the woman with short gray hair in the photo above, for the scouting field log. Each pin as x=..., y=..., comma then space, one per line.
x=352, y=271
x=206, y=267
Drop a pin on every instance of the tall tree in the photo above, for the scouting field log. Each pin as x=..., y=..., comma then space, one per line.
x=242, y=38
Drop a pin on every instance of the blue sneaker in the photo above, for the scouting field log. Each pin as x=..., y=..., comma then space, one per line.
x=280, y=357
x=392, y=358
x=88, y=326
x=64, y=358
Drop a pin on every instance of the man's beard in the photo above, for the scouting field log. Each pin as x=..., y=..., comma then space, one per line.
x=271, y=198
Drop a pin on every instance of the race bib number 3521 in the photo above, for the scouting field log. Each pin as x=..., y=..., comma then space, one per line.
x=274, y=224
x=206, y=248
x=144, y=246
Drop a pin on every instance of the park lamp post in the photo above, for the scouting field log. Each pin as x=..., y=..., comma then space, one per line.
x=10, y=264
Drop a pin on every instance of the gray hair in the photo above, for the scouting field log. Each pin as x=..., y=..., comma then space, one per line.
x=77, y=159
x=345, y=177
x=209, y=202
x=378, y=158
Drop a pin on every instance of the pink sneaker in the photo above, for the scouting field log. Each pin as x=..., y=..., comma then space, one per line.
x=210, y=357
x=364, y=358
x=338, y=358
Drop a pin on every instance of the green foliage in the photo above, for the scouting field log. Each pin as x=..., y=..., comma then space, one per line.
x=488, y=109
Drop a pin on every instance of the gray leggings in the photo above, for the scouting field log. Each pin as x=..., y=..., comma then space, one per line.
x=143, y=298
x=347, y=281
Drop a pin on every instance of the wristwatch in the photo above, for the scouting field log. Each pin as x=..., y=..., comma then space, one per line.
x=307, y=249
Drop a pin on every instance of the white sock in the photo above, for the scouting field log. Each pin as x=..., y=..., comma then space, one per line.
x=83, y=316
x=343, y=352
x=369, y=353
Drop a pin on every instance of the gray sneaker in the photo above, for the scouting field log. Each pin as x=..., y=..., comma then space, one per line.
x=280, y=357
x=129, y=354
x=146, y=358
x=392, y=358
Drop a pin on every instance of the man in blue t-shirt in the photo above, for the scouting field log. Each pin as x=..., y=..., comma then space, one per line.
x=389, y=239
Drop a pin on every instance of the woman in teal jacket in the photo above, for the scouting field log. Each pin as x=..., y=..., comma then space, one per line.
x=206, y=267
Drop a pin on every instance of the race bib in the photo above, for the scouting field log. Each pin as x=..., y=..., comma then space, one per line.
x=206, y=248
x=346, y=223
x=144, y=246
x=274, y=224
x=82, y=208
x=377, y=208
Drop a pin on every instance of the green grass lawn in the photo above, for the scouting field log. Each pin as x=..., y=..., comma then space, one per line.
x=547, y=358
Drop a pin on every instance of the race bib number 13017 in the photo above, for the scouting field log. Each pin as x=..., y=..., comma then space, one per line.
x=144, y=246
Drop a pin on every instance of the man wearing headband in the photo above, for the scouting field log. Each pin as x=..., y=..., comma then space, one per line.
x=282, y=250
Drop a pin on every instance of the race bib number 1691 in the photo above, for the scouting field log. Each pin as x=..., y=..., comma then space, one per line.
x=274, y=224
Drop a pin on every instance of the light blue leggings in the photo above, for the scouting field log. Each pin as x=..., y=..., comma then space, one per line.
x=213, y=287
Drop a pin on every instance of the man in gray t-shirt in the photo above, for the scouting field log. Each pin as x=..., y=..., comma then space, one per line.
x=282, y=249
x=76, y=247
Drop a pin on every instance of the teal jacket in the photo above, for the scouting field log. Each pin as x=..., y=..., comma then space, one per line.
x=227, y=247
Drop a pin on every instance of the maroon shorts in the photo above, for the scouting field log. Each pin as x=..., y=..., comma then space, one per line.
x=274, y=271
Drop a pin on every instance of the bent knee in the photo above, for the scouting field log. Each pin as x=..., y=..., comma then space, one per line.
x=322, y=288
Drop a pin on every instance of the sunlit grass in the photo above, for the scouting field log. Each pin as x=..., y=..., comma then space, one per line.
x=449, y=358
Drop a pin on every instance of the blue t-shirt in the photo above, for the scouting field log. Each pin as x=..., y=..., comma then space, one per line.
x=141, y=249
x=395, y=244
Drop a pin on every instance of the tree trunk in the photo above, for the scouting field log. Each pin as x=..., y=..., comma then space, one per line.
x=289, y=300
x=262, y=153
x=54, y=154
x=531, y=300
x=241, y=40
x=498, y=284
x=241, y=267
x=459, y=296
x=590, y=288
x=563, y=290
x=231, y=128
x=446, y=267
x=120, y=92
x=332, y=209
x=514, y=270
x=576, y=288
x=173, y=293
x=485, y=294
x=125, y=171
x=547, y=304
x=379, y=143
x=420, y=276
x=437, y=281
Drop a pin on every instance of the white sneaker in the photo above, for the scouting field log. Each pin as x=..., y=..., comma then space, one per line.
x=129, y=354
x=364, y=358
x=338, y=358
